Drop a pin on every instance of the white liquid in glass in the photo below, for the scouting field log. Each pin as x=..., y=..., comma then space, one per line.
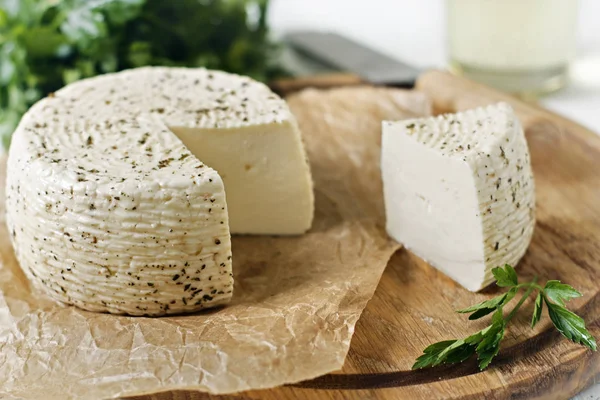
x=512, y=35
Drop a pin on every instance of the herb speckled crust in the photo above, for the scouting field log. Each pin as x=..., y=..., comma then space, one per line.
x=182, y=97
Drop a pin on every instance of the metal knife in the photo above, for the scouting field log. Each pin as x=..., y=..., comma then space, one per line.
x=320, y=54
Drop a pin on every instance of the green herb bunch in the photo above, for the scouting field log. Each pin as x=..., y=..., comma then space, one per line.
x=486, y=343
x=45, y=44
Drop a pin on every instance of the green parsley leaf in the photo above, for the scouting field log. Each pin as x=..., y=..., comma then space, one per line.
x=537, y=310
x=118, y=12
x=459, y=353
x=505, y=277
x=83, y=27
x=560, y=292
x=570, y=325
x=476, y=337
x=431, y=354
x=489, y=345
x=488, y=306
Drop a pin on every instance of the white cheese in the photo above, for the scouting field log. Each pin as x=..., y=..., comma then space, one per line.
x=111, y=211
x=459, y=191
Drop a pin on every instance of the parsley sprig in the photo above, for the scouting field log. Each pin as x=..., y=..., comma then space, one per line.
x=486, y=342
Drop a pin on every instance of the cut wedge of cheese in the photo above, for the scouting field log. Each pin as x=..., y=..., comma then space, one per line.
x=116, y=187
x=459, y=191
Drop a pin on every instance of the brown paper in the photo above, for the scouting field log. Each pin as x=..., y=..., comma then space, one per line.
x=296, y=299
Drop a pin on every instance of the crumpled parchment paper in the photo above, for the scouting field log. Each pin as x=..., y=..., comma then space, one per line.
x=296, y=299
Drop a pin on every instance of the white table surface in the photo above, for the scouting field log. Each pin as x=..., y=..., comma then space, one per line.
x=414, y=31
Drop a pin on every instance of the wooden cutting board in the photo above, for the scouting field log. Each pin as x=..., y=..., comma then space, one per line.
x=414, y=304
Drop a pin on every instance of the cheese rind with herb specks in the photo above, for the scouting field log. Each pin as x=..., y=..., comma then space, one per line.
x=459, y=191
x=116, y=187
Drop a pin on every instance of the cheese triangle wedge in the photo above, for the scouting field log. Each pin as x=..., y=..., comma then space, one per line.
x=459, y=191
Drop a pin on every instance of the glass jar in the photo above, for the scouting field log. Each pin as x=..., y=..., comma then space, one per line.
x=520, y=46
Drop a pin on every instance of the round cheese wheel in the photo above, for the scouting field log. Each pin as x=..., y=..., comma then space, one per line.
x=110, y=207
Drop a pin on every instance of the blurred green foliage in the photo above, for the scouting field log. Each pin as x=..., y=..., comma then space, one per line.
x=45, y=44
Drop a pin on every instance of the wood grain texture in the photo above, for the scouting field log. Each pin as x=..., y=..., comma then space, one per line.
x=414, y=304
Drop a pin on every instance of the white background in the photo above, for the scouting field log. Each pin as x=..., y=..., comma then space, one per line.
x=414, y=31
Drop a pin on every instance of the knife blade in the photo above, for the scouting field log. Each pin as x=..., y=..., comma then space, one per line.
x=341, y=53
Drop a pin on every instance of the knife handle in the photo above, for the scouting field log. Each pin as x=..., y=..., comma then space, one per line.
x=287, y=86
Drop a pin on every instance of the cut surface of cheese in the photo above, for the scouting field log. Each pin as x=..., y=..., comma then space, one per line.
x=459, y=191
x=267, y=192
x=116, y=187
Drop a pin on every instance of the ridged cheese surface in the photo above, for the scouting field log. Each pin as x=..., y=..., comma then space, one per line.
x=459, y=190
x=110, y=211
